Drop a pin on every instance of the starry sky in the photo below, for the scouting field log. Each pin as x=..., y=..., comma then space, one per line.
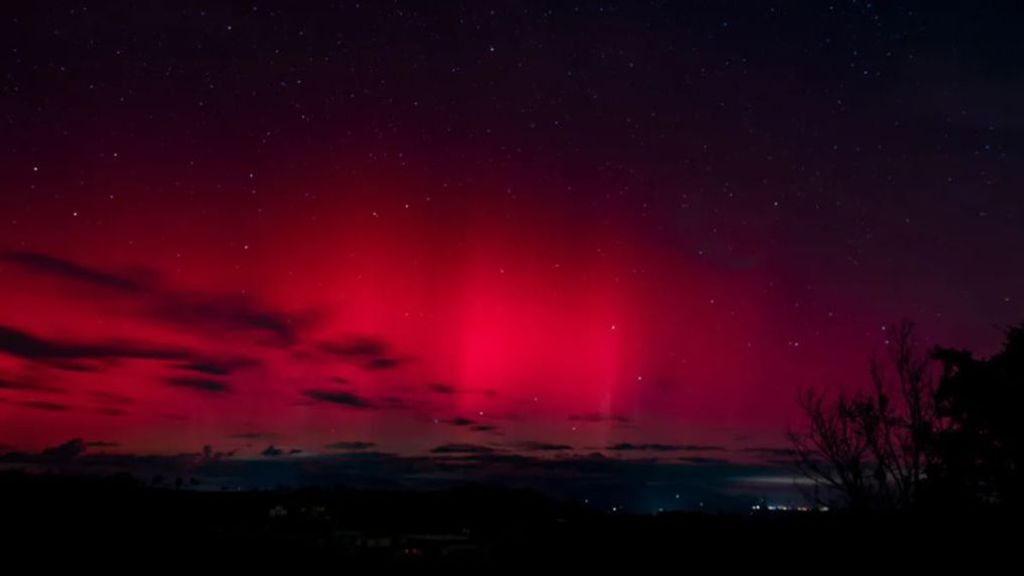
x=552, y=231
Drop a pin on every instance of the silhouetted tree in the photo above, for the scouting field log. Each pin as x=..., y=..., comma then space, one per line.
x=871, y=448
x=921, y=436
x=978, y=453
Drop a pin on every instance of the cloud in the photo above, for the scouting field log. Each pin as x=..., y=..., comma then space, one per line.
x=532, y=446
x=350, y=446
x=770, y=451
x=382, y=363
x=25, y=385
x=215, y=367
x=462, y=449
x=74, y=457
x=60, y=454
x=273, y=452
x=628, y=447
x=360, y=347
x=338, y=397
x=237, y=313
x=62, y=354
x=702, y=460
x=370, y=353
x=439, y=388
x=48, y=265
x=188, y=310
x=204, y=385
x=459, y=421
x=64, y=452
x=44, y=405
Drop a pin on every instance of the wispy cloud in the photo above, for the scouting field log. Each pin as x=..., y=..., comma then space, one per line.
x=629, y=447
x=209, y=312
x=463, y=449
x=338, y=397
x=350, y=445
x=204, y=385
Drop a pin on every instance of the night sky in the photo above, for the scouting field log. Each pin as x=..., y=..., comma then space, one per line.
x=565, y=233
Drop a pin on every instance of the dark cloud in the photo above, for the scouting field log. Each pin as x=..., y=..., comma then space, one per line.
x=189, y=310
x=532, y=446
x=628, y=447
x=64, y=452
x=73, y=456
x=462, y=449
x=273, y=452
x=770, y=451
x=702, y=460
x=361, y=347
x=44, y=405
x=102, y=444
x=210, y=455
x=60, y=454
x=459, y=421
x=26, y=385
x=382, y=363
x=483, y=428
x=204, y=385
x=236, y=313
x=48, y=265
x=63, y=354
x=350, y=446
x=370, y=353
x=338, y=397
x=439, y=388
x=210, y=367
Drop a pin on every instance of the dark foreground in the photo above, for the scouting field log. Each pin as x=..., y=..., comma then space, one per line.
x=474, y=526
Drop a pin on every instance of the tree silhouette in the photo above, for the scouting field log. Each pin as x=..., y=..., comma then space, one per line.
x=870, y=449
x=978, y=453
x=941, y=429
